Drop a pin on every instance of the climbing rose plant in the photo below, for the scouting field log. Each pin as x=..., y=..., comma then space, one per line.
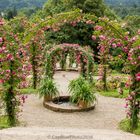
x=111, y=37
x=133, y=100
x=13, y=71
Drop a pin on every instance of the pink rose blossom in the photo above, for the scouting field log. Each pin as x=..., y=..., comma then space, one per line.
x=85, y=60
x=93, y=37
x=120, y=56
x=1, y=50
x=139, y=31
x=138, y=76
x=1, y=39
x=129, y=114
x=133, y=93
x=1, y=81
x=1, y=22
x=129, y=98
x=129, y=58
x=89, y=22
x=98, y=28
x=126, y=37
x=9, y=57
x=7, y=71
x=119, y=44
x=102, y=37
x=126, y=105
x=133, y=39
x=74, y=23
x=114, y=45
x=125, y=49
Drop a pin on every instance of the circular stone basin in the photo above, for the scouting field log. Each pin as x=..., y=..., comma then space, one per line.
x=69, y=69
x=63, y=104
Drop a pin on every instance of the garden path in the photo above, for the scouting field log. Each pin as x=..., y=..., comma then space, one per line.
x=107, y=114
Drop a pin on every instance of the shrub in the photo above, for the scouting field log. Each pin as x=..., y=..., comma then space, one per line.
x=81, y=90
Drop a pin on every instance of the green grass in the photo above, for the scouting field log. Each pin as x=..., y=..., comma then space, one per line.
x=27, y=91
x=3, y=122
x=116, y=73
x=125, y=126
x=114, y=94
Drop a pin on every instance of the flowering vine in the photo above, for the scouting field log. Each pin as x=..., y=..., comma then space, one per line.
x=111, y=36
x=13, y=69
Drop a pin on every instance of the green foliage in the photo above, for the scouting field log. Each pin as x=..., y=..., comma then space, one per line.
x=52, y=7
x=27, y=91
x=125, y=126
x=87, y=6
x=110, y=13
x=113, y=83
x=11, y=103
x=11, y=13
x=28, y=11
x=123, y=2
x=18, y=25
x=4, y=122
x=75, y=27
x=117, y=63
x=81, y=90
x=114, y=93
x=132, y=23
x=96, y=7
x=124, y=8
x=80, y=34
x=47, y=87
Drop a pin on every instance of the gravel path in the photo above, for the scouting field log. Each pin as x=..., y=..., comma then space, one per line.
x=107, y=114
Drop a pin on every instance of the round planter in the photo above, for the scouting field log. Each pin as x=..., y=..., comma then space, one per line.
x=70, y=69
x=58, y=105
x=47, y=98
x=82, y=104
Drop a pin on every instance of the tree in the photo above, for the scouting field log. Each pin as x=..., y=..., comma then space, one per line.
x=54, y=7
x=77, y=4
x=96, y=7
x=11, y=13
x=132, y=23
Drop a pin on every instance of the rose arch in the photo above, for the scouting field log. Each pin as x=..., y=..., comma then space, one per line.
x=80, y=55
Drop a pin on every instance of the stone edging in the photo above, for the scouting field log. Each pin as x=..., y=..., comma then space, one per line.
x=52, y=106
x=70, y=69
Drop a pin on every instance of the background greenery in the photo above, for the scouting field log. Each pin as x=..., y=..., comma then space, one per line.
x=122, y=8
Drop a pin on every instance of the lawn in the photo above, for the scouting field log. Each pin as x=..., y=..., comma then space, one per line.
x=125, y=126
x=27, y=91
x=3, y=122
x=114, y=93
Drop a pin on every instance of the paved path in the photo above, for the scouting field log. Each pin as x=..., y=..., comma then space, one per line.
x=101, y=123
x=107, y=114
x=47, y=133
